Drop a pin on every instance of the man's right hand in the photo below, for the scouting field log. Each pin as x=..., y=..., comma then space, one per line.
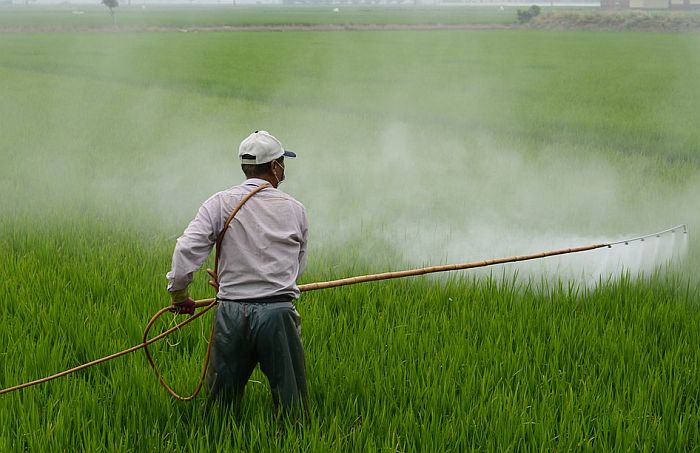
x=182, y=303
x=186, y=307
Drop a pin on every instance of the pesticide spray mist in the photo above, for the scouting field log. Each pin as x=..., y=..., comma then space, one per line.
x=398, y=166
x=468, y=203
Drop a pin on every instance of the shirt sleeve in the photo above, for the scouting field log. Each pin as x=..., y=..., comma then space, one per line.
x=304, y=240
x=192, y=248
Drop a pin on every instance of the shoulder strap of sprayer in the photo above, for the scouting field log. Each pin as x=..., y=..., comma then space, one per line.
x=220, y=238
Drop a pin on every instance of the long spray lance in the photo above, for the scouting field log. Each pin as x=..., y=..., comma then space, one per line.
x=208, y=304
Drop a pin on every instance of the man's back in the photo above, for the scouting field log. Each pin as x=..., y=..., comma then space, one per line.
x=264, y=249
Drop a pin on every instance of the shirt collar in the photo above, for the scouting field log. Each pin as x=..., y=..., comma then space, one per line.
x=257, y=182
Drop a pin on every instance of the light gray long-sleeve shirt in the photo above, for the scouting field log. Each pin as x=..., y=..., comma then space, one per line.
x=264, y=248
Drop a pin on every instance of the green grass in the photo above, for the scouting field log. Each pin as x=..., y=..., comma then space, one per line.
x=483, y=364
x=411, y=144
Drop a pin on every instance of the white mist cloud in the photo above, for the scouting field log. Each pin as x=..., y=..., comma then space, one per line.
x=382, y=179
x=435, y=199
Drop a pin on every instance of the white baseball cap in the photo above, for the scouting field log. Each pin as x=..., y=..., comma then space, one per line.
x=261, y=147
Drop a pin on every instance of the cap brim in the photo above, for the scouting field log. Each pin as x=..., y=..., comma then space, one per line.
x=288, y=153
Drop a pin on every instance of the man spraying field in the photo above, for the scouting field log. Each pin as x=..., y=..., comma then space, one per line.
x=260, y=255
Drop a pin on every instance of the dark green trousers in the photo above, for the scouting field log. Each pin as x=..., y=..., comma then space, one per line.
x=246, y=334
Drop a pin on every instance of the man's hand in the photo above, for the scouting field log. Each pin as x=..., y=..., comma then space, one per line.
x=186, y=307
x=214, y=282
x=182, y=303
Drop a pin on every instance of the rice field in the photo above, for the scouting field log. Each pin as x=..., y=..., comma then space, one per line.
x=416, y=148
x=150, y=15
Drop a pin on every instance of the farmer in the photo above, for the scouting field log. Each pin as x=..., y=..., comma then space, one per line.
x=262, y=254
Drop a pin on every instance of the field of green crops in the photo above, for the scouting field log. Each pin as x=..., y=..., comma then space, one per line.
x=91, y=16
x=415, y=148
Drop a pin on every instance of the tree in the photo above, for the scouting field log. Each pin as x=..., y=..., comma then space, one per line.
x=525, y=16
x=111, y=4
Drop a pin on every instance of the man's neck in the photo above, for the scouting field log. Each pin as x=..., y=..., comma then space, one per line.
x=269, y=179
